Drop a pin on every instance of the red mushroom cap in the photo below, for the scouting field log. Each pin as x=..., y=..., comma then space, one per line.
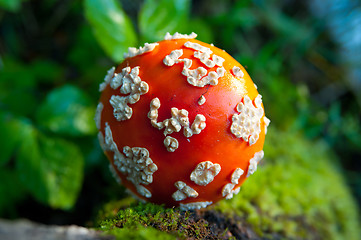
x=181, y=122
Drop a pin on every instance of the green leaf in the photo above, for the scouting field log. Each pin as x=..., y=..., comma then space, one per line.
x=46, y=70
x=203, y=30
x=19, y=81
x=112, y=27
x=11, y=132
x=157, y=17
x=10, y=5
x=51, y=169
x=80, y=56
x=67, y=111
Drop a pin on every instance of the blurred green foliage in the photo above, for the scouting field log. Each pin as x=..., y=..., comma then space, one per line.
x=46, y=125
x=10, y=5
x=73, y=114
x=108, y=18
x=158, y=17
x=53, y=55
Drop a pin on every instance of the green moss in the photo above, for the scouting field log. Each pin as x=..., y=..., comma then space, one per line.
x=298, y=190
x=158, y=222
x=136, y=231
x=151, y=219
x=137, y=221
x=110, y=210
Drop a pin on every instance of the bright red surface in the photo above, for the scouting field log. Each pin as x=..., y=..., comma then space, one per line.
x=215, y=143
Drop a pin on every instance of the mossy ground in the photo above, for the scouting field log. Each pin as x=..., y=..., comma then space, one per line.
x=157, y=221
x=298, y=192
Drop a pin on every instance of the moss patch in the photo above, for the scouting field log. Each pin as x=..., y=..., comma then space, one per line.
x=156, y=221
x=136, y=231
x=146, y=221
x=297, y=191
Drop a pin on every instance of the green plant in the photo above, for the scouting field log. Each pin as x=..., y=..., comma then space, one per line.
x=115, y=31
x=39, y=148
x=11, y=5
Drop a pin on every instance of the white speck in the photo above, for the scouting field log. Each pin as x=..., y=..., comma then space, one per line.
x=201, y=100
x=148, y=47
x=179, y=195
x=254, y=162
x=198, y=77
x=205, y=172
x=178, y=120
x=131, y=84
x=143, y=191
x=237, y=72
x=121, y=110
x=136, y=164
x=197, y=47
x=228, y=190
x=194, y=205
x=116, y=80
x=218, y=60
x=108, y=139
x=171, y=144
x=247, y=124
x=183, y=191
x=173, y=57
x=198, y=124
x=177, y=35
x=266, y=122
x=236, y=175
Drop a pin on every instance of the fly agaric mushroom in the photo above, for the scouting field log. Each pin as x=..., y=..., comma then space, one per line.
x=181, y=122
